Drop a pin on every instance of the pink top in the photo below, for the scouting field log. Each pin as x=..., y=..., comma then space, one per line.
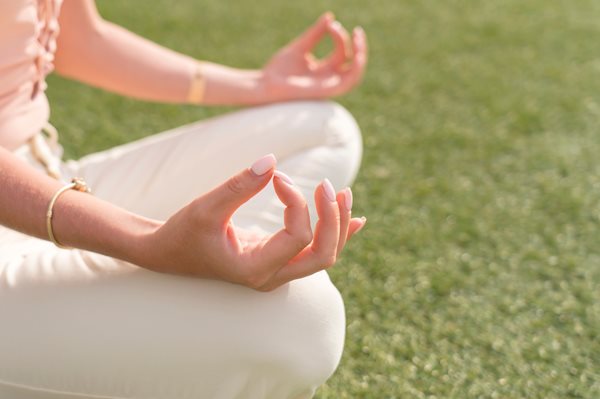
x=28, y=31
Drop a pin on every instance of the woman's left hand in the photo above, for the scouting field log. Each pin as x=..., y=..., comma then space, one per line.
x=294, y=73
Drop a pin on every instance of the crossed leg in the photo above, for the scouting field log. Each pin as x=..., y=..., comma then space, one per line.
x=81, y=325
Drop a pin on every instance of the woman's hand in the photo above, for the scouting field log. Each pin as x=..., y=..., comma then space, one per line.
x=294, y=73
x=201, y=241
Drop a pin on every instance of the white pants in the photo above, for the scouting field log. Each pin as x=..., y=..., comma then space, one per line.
x=75, y=324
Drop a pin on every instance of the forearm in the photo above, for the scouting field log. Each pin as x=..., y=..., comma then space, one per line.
x=80, y=220
x=108, y=56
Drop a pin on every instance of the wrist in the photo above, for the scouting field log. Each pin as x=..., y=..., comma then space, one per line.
x=140, y=247
x=231, y=86
x=260, y=94
x=252, y=87
x=86, y=222
x=197, y=86
x=271, y=88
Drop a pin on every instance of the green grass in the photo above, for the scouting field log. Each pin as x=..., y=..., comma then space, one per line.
x=479, y=273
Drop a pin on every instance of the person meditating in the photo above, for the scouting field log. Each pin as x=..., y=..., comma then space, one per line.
x=191, y=263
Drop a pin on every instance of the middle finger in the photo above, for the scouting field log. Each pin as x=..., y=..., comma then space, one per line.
x=321, y=254
x=343, y=51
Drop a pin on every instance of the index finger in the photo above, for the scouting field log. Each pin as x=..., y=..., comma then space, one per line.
x=296, y=233
x=342, y=51
x=321, y=254
x=356, y=69
x=311, y=37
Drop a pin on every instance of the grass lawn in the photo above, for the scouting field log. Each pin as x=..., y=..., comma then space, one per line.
x=478, y=275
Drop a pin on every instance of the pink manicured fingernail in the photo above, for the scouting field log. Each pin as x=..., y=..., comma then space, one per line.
x=284, y=177
x=264, y=164
x=329, y=190
x=336, y=25
x=348, y=198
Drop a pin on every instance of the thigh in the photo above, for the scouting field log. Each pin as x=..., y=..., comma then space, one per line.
x=82, y=324
x=158, y=175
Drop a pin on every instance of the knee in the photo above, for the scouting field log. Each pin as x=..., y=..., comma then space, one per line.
x=277, y=342
x=336, y=124
x=329, y=134
x=340, y=127
x=313, y=325
x=343, y=137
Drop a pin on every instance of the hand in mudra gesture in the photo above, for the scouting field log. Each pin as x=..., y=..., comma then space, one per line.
x=200, y=239
x=294, y=72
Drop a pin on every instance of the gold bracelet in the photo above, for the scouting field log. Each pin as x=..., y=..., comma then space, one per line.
x=78, y=184
x=196, y=91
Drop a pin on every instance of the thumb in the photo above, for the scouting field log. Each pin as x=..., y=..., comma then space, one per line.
x=226, y=198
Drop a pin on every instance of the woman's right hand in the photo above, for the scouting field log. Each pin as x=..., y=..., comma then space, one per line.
x=200, y=239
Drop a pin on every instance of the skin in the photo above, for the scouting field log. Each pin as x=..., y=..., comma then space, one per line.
x=199, y=240
x=105, y=55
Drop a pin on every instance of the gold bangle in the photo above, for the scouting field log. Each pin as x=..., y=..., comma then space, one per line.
x=77, y=183
x=197, y=86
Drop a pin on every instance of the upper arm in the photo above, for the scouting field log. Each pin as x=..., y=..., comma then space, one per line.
x=79, y=23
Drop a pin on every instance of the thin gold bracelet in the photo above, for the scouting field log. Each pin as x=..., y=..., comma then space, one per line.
x=78, y=184
x=197, y=86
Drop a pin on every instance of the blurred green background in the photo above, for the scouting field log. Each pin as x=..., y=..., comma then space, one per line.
x=478, y=275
